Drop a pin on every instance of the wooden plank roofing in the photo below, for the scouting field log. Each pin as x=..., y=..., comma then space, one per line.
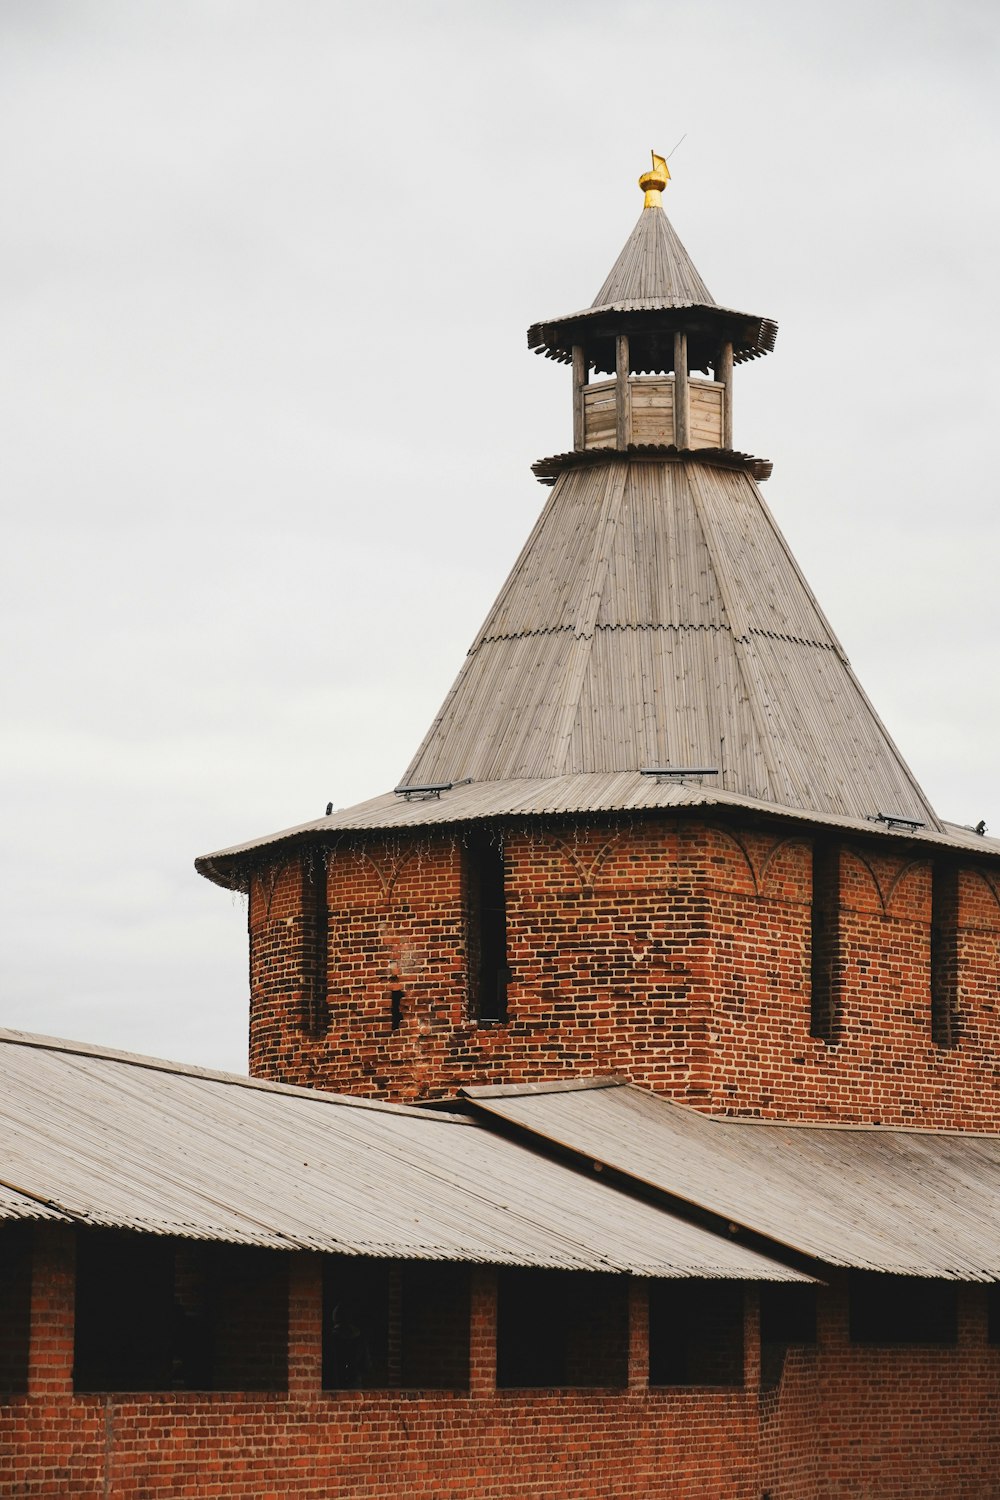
x=618, y=793
x=657, y=618
x=109, y=1139
x=653, y=275
x=653, y=269
x=911, y=1202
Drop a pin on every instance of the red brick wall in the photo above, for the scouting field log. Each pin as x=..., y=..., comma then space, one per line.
x=886, y=1423
x=845, y=1421
x=676, y=953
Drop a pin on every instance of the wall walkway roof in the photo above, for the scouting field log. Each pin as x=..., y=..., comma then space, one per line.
x=105, y=1138
x=912, y=1202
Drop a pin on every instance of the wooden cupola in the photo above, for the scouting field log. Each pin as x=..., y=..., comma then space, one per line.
x=650, y=327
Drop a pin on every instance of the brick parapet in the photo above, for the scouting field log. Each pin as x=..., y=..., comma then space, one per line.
x=675, y=952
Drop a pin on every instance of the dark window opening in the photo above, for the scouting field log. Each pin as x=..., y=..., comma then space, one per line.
x=944, y=955
x=486, y=903
x=390, y=1325
x=696, y=1333
x=993, y=1314
x=825, y=963
x=395, y=1008
x=787, y=1319
x=160, y=1314
x=15, y=1307
x=315, y=944
x=561, y=1328
x=902, y=1309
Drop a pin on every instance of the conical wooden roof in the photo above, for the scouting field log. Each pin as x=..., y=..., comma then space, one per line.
x=657, y=618
x=653, y=270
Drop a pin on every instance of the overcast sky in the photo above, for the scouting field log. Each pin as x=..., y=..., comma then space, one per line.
x=268, y=415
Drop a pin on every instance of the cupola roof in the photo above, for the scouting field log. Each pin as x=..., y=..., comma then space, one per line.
x=653, y=270
x=652, y=289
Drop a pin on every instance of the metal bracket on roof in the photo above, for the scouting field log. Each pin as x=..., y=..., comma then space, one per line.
x=678, y=773
x=895, y=820
x=431, y=790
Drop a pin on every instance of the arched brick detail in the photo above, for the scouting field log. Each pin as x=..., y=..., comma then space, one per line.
x=979, y=898
x=858, y=878
x=273, y=890
x=638, y=854
x=713, y=836
x=785, y=868
x=912, y=883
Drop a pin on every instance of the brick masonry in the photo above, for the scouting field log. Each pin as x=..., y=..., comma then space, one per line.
x=844, y=1421
x=676, y=953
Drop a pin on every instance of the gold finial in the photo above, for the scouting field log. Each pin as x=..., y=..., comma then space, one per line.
x=653, y=183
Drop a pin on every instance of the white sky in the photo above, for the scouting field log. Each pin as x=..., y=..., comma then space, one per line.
x=267, y=414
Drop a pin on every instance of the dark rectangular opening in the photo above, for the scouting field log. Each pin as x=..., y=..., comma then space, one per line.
x=395, y=1325
x=158, y=1314
x=825, y=962
x=993, y=1314
x=902, y=1309
x=486, y=929
x=787, y=1320
x=395, y=1009
x=15, y=1307
x=696, y=1333
x=944, y=955
x=561, y=1328
x=315, y=943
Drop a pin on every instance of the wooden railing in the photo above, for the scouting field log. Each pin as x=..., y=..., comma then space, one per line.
x=649, y=412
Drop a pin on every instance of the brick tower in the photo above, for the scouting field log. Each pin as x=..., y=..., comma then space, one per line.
x=656, y=829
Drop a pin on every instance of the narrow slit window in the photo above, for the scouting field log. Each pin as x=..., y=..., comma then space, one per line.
x=486, y=898
x=824, y=960
x=315, y=944
x=395, y=1008
x=944, y=955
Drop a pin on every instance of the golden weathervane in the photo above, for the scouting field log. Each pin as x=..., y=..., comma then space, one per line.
x=653, y=183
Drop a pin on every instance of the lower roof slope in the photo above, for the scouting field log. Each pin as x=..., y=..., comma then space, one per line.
x=657, y=618
x=105, y=1138
x=912, y=1202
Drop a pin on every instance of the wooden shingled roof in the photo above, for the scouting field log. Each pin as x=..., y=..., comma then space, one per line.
x=653, y=269
x=656, y=617
x=653, y=281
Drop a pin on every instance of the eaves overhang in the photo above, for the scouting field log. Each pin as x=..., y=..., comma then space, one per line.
x=568, y=797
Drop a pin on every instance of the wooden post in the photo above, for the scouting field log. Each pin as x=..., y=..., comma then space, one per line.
x=579, y=397
x=724, y=374
x=681, y=397
x=623, y=393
